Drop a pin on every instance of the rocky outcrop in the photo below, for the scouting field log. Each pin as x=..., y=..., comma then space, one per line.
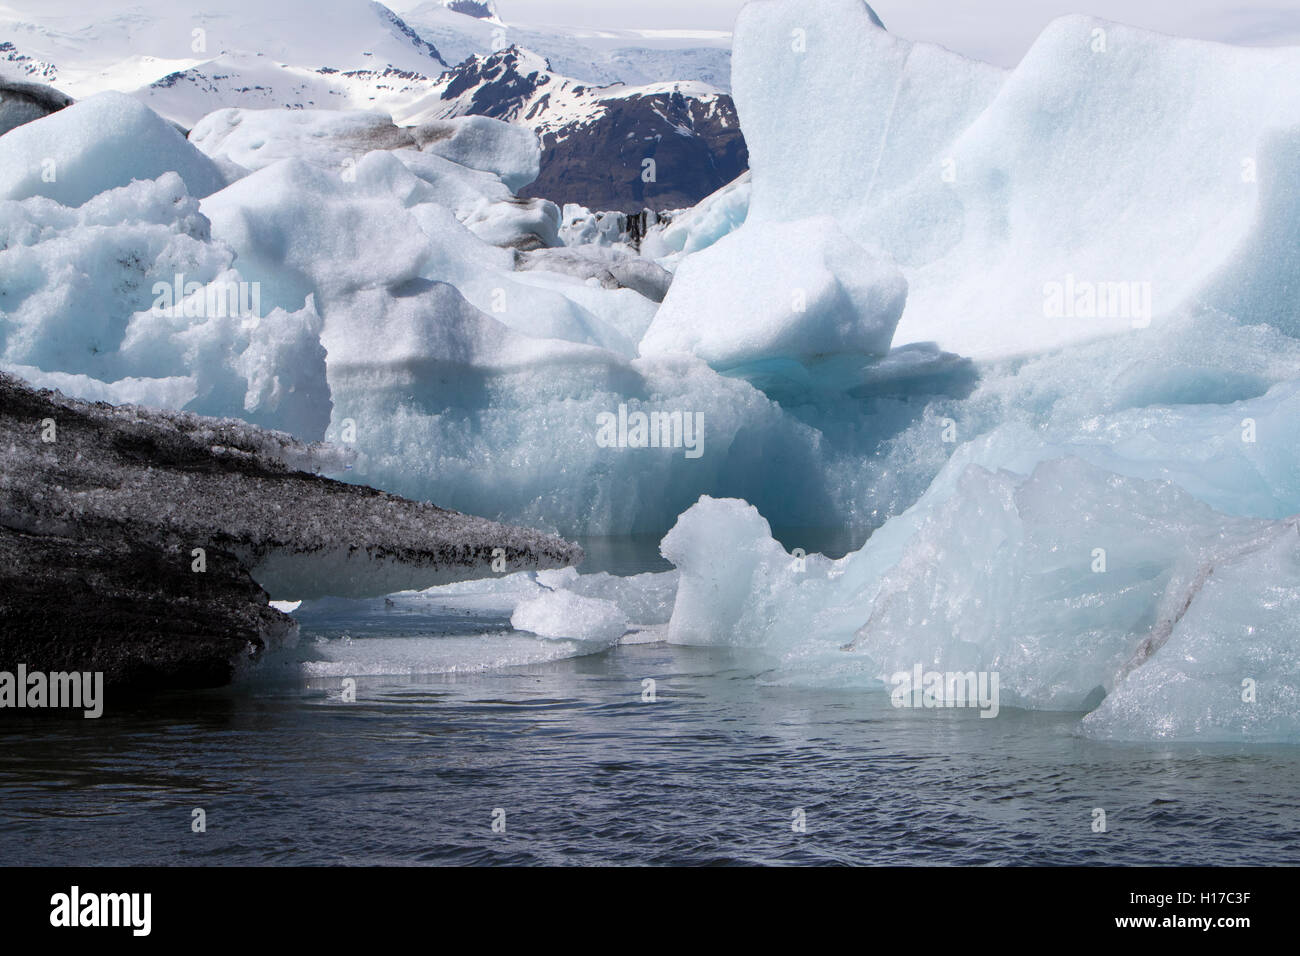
x=145, y=544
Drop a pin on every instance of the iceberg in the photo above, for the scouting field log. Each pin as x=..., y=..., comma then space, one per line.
x=1126, y=591
x=1028, y=336
x=1109, y=157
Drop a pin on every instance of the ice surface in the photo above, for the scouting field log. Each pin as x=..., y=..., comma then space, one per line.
x=567, y=615
x=701, y=226
x=479, y=142
x=795, y=290
x=105, y=141
x=254, y=139
x=1230, y=669
x=127, y=298
x=472, y=164
x=1064, y=603
x=988, y=187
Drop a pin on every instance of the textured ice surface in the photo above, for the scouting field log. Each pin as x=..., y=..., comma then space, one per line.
x=708, y=221
x=1230, y=670
x=478, y=142
x=97, y=144
x=1069, y=583
x=794, y=290
x=568, y=615
x=1110, y=155
x=80, y=296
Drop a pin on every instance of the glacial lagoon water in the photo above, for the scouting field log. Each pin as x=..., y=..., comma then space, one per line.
x=712, y=771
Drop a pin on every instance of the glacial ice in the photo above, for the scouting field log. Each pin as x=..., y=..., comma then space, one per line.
x=97, y=144
x=80, y=296
x=563, y=614
x=1064, y=603
x=986, y=186
x=886, y=327
x=701, y=226
x=795, y=290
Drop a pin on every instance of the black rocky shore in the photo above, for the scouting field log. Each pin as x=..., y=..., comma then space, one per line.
x=107, y=513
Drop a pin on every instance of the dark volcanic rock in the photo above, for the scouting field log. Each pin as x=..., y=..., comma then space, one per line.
x=99, y=529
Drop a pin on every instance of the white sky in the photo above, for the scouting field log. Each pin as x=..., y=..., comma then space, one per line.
x=995, y=30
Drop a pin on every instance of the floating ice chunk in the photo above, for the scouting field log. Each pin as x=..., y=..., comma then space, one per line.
x=991, y=574
x=797, y=290
x=563, y=614
x=412, y=656
x=99, y=143
x=723, y=601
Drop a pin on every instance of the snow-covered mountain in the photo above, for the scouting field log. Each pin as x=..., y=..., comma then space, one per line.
x=357, y=54
x=186, y=62
x=595, y=56
x=661, y=145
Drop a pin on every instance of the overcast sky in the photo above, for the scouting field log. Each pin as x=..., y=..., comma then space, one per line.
x=995, y=30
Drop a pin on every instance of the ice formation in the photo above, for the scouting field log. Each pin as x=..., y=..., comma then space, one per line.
x=1033, y=331
x=799, y=290
x=106, y=141
x=1110, y=155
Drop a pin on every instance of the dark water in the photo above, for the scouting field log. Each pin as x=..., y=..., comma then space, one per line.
x=588, y=773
